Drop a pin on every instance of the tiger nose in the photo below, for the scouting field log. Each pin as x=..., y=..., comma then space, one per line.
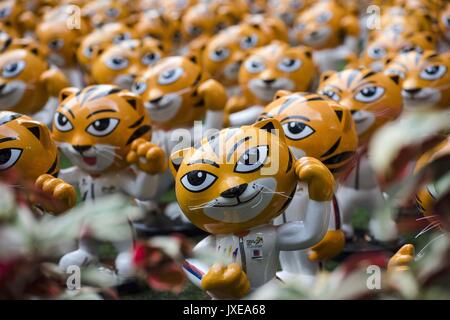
x=235, y=191
x=81, y=149
x=412, y=91
x=268, y=81
x=156, y=100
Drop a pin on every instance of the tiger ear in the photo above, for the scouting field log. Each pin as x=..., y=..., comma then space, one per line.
x=39, y=130
x=281, y=93
x=133, y=100
x=271, y=125
x=66, y=92
x=176, y=158
x=325, y=75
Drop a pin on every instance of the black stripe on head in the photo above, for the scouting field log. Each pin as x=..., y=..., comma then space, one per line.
x=433, y=55
x=10, y=116
x=99, y=91
x=368, y=74
x=137, y=123
x=53, y=166
x=287, y=103
x=214, y=143
x=339, y=114
x=315, y=98
x=332, y=149
x=138, y=133
x=340, y=157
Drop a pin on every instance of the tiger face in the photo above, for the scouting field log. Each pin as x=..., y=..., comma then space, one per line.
x=444, y=22
x=288, y=10
x=203, y=19
x=372, y=97
x=236, y=180
x=26, y=146
x=270, y=26
x=10, y=13
x=426, y=79
x=160, y=26
x=324, y=25
x=25, y=78
x=95, y=127
x=111, y=33
x=388, y=44
x=105, y=11
x=316, y=127
x=274, y=67
x=169, y=90
x=226, y=51
x=121, y=63
x=53, y=32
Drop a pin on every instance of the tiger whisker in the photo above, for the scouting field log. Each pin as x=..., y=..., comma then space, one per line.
x=431, y=226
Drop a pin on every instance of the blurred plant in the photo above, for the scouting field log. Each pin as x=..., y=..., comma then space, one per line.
x=157, y=261
x=30, y=243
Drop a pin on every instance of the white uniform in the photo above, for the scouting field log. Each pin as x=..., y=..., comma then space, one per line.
x=257, y=251
x=360, y=190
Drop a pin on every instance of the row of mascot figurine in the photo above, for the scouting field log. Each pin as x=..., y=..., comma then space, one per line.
x=285, y=166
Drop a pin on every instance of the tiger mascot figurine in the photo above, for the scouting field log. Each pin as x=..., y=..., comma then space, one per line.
x=7, y=36
x=427, y=199
x=121, y=63
x=224, y=54
x=373, y=99
x=111, y=33
x=27, y=147
x=268, y=69
x=61, y=41
x=232, y=185
x=201, y=21
x=101, y=12
x=426, y=79
x=104, y=131
x=177, y=93
x=160, y=26
x=27, y=82
x=288, y=10
x=316, y=127
x=14, y=14
x=330, y=30
x=389, y=44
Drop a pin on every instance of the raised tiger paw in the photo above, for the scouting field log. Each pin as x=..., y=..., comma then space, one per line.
x=401, y=261
x=316, y=175
x=147, y=156
x=61, y=195
x=226, y=282
x=329, y=247
x=214, y=95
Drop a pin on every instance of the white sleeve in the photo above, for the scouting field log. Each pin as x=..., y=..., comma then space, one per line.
x=214, y=120
x=245, y=117
x=304, y=234
x=143, y=186
x=194, y=268
x=70, y=175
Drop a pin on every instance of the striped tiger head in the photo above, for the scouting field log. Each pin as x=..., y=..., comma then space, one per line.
x=315, y=126
x=111, y=33
x=426, y=78
x=160, y=26
x=227, y=50
x=372, y=97
x=325, y=25
x=388, y=44
x=105, y=11
x=120, y=63
x=26, y=146
x=274, y=67
x=237, y=179
x=169, y=90
x=95, y=127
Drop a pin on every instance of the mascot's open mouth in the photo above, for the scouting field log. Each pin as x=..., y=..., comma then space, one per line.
x=239, y=202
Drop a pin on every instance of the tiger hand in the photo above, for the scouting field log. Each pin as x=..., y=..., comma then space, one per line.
x=319, y=179
x=401, y=261
x=329, y=247
x=226, y=282
x=214, y=95
x=62, y=196
x=147, y=156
